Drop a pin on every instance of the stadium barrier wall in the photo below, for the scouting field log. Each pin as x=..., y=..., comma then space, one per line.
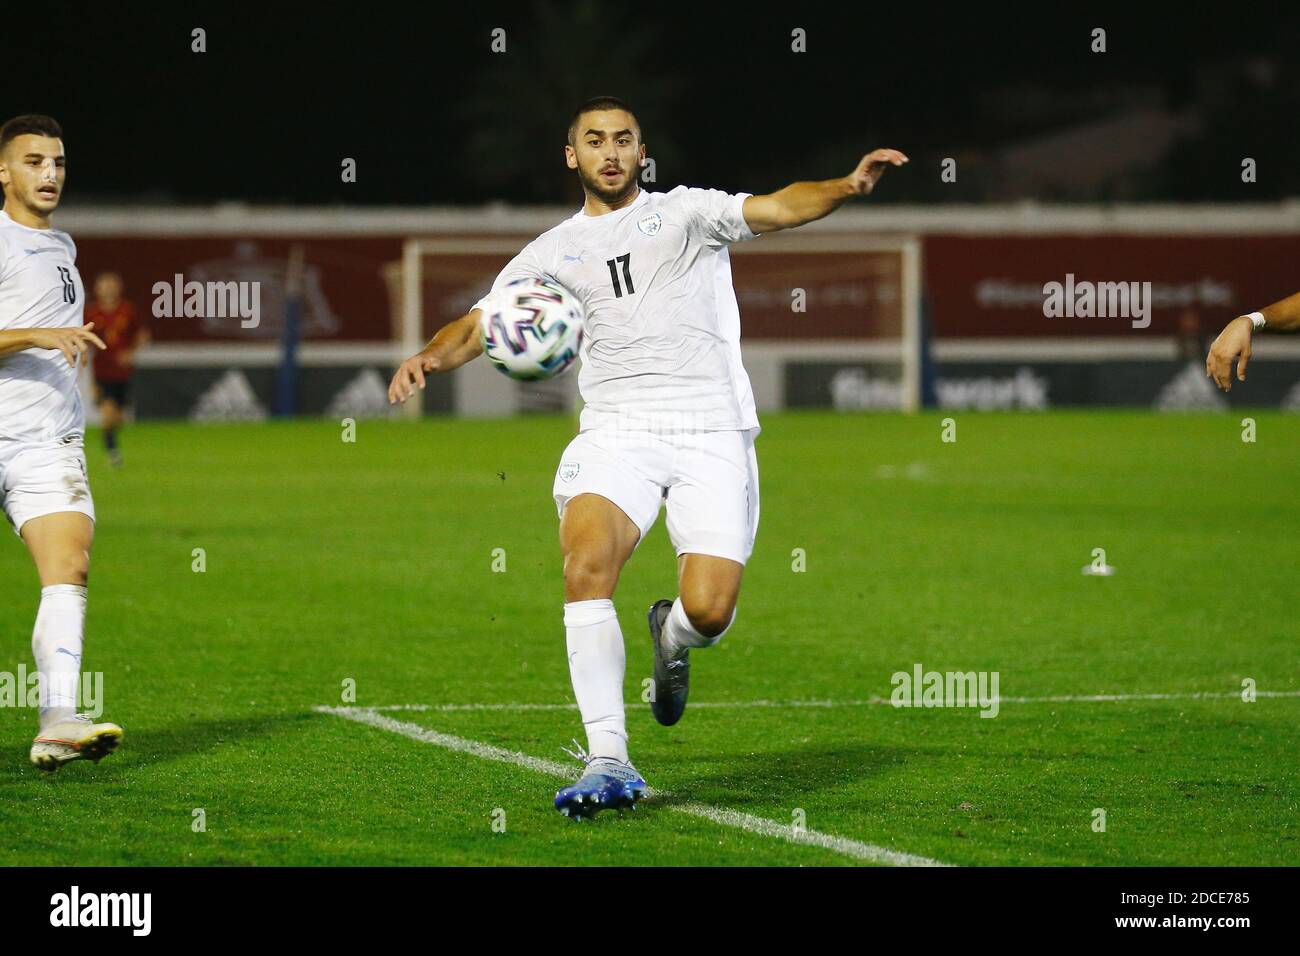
x=983, y=273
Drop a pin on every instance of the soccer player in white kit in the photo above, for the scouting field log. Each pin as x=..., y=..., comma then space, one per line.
x=1233, y=343
x=43, y=483
x=668, y=414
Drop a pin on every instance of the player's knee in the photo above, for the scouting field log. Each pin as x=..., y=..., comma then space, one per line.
x=711, y=618
x=589, y=575
x=70, y=568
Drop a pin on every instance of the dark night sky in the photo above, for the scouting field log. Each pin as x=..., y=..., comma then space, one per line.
x=285, y=91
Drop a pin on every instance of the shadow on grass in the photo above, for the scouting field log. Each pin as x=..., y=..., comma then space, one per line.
x=148, y=746
x=736, y=782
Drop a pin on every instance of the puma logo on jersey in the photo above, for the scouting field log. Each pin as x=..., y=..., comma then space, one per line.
x=36, y=252
x=577, y=258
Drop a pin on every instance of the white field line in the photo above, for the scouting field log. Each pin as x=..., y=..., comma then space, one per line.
x=872, y=701
x=719, y=815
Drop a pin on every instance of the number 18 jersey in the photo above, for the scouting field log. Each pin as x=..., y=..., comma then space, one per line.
x=39, y=288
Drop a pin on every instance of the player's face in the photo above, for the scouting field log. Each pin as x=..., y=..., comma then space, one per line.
x=108, y=288
x=32, y=170
x=607, y=153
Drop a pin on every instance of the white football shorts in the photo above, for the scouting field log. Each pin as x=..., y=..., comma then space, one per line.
x=41, y=478
x=709, y=480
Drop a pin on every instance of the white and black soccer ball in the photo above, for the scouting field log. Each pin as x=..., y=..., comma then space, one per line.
x=532, y=329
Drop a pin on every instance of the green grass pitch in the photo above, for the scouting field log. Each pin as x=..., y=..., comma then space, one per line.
x=372, y=562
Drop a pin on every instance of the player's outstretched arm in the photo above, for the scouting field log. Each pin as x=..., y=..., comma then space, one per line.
x=804, y=202
x=74, y=343
x=1233, y=342
x=455, y=344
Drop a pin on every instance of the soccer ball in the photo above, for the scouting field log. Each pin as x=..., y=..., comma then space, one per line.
x=532, y=329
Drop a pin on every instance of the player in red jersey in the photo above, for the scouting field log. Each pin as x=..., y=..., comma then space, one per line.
x=123, y=332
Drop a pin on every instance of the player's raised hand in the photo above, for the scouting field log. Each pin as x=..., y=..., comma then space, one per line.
x=74, y=343
x=410, y=374
x=873, y=166
x=1233, y=343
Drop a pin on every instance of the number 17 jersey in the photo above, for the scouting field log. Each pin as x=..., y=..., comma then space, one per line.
x=662, y=343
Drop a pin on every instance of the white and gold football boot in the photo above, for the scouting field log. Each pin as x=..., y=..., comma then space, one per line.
x=78, y=738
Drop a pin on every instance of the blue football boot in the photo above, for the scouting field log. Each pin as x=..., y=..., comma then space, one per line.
x=605, y=784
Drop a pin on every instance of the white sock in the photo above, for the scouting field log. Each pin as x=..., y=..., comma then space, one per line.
x=680, y=634
x=56, y=645
x=596, y=663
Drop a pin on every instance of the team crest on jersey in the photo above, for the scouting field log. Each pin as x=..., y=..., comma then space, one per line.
x=569, y=470
x=650, y=224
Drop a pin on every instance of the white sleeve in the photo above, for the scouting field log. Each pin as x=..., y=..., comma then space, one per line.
x=717, y=217
x=526, y=265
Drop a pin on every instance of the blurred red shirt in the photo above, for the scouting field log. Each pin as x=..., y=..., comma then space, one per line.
x=118, y=328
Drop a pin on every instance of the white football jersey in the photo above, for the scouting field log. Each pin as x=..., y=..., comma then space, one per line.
x=662, y=339
x=39, y=288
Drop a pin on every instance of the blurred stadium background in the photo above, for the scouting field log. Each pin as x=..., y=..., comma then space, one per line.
x=1122, y=165
x=941, y=304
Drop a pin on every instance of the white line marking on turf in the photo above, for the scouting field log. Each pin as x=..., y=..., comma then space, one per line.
x=873, y=701
x=730, y=818
x=1195, y=695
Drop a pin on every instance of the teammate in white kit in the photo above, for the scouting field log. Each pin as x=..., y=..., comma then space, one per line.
x=43, y=483
x=668, y=414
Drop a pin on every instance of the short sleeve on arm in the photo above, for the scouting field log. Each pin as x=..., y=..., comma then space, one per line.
x=718, y=217
x=526, y=265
